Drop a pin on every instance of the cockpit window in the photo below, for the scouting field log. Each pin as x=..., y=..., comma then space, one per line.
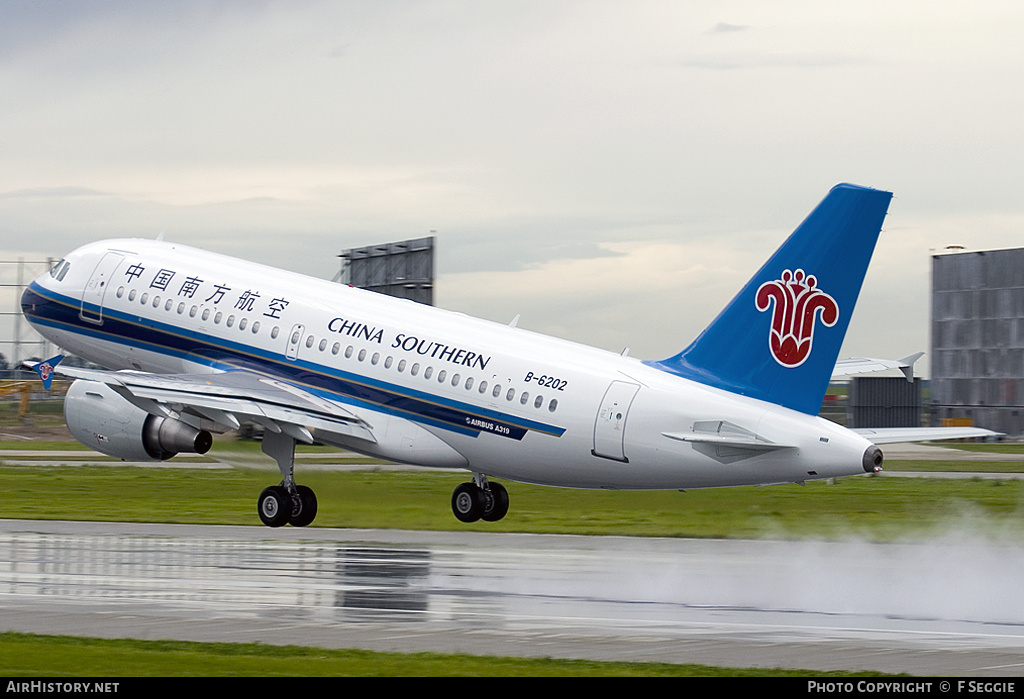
x=60, y=269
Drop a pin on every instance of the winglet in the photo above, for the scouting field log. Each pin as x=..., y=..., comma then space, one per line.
x=907, y=365
x=45, y=369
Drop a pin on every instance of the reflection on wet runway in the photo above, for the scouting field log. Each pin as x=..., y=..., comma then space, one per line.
x=941, y=608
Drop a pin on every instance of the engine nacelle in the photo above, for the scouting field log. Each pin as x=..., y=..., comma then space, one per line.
x=102, y=420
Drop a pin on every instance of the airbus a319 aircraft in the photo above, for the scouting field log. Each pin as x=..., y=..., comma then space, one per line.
x=196, y=343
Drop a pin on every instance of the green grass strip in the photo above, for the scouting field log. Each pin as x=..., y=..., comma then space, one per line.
x=880, y=509
x=31, y=655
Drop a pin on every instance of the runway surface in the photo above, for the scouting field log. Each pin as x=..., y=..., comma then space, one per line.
x=941, y=608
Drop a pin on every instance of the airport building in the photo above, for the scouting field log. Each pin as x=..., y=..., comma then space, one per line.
x=977, y=348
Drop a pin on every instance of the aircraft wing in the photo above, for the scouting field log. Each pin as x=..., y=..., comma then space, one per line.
x=866, y=365
x=231, y=397
x=897, y=435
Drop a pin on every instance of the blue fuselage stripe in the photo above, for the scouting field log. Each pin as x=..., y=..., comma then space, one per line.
x=46, y=308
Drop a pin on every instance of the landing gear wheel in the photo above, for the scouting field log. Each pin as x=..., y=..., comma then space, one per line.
x=468, y=502
x=274, y=506
x=496, y=505
x=303, y=510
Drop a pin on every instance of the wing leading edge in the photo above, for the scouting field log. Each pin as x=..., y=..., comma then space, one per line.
x=226, y=397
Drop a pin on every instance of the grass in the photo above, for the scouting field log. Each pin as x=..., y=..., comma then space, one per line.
x=30, y=655
x=992, y=447
x=955, y=466
x=880, y=509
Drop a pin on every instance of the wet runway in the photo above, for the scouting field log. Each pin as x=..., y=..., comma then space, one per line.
x=948, y=607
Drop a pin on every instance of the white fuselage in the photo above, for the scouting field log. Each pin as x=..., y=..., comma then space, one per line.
x=514, y=404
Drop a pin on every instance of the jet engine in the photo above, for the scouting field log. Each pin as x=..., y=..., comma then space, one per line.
x=101, y=419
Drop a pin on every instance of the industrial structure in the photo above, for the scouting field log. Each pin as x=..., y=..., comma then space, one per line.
x=977, y=348
x=18, y=340
x=404, y=269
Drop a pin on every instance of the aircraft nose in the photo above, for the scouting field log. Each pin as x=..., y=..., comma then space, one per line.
x=29, y=300
x=872, y=460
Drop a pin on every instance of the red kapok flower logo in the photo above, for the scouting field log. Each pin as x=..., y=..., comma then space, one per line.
x=798, y=302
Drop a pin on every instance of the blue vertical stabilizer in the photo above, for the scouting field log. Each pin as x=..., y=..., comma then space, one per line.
x=779, y=338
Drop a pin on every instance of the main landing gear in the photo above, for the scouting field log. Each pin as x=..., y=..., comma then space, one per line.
x=286, y=503
x=480, y=500
x=278, y=506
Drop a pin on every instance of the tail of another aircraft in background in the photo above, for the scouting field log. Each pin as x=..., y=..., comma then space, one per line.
x=779, y=338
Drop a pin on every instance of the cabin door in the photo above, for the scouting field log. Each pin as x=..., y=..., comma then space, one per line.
x=92, y=296
x=610, y=425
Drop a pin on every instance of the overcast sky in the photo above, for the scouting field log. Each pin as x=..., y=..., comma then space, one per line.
x=612, y=171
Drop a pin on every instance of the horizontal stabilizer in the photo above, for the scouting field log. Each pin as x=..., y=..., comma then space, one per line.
x=898, y=435
x=722, y=440
x=725, y=433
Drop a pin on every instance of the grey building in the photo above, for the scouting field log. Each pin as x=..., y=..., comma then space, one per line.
x=404, y=269
x=977, y=349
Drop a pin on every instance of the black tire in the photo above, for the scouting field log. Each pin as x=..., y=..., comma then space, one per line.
x=468, y=502
x=303, y=507
x=496, y=505
x=274, y=506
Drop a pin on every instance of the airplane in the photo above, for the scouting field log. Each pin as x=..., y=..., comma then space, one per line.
x=194, y=343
